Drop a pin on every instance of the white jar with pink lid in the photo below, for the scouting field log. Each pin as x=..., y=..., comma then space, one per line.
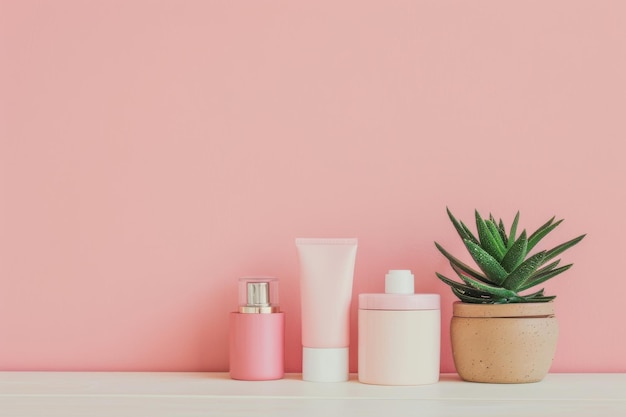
x=399, y=334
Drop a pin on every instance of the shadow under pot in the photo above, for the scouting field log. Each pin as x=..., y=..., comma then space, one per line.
x=503, y=343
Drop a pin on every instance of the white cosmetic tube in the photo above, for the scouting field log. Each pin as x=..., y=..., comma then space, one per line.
x=326, y=275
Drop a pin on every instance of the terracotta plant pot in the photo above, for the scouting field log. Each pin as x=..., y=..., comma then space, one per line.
x=503, y=343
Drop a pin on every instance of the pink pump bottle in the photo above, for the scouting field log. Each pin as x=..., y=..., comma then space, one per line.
x=257, y=332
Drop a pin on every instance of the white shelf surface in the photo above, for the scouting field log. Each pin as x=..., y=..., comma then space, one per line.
x=155, y=394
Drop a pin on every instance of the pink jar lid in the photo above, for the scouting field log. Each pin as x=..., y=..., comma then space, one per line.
x=399, y=301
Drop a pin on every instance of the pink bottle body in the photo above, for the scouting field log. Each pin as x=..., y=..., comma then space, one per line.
x=257, y=346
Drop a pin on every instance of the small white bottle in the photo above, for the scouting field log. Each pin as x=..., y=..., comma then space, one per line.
x=399, y=334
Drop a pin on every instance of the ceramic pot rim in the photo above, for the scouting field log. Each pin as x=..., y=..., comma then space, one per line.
x=539, y=310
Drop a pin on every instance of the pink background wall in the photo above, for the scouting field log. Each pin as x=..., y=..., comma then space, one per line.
x=152, y=152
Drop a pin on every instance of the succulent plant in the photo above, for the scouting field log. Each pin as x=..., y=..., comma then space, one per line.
x=507, y=266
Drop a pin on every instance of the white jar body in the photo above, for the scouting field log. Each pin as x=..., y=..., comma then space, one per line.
x=399, y=347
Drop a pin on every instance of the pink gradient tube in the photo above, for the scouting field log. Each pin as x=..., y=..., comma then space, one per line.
x=326, y=276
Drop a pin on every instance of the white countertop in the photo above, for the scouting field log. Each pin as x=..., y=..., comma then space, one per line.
x=155, y=394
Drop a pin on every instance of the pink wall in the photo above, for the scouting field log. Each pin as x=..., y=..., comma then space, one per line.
x=152, y=152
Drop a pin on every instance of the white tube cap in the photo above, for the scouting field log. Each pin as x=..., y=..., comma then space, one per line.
x=325, y=364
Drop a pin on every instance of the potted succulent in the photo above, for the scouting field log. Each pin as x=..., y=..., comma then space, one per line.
x=501, y=332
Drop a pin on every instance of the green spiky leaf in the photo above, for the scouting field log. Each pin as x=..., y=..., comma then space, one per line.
x=497, y=237
x=463, y=231
x=556, y=251
x=487, y=240
x=470, y=234
x=516, y=253
x=544, y=299
x=518, y=277
x=546, y=268
x=513, y=229
x=543, y=277
x=477, y=277
x=497, y=292
x=460, y=264
x=502, y=231
x=465, y=288
x=537, y=297
x=487, y=263
x=542, y=232
x=466, y=298
x=535, y=294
